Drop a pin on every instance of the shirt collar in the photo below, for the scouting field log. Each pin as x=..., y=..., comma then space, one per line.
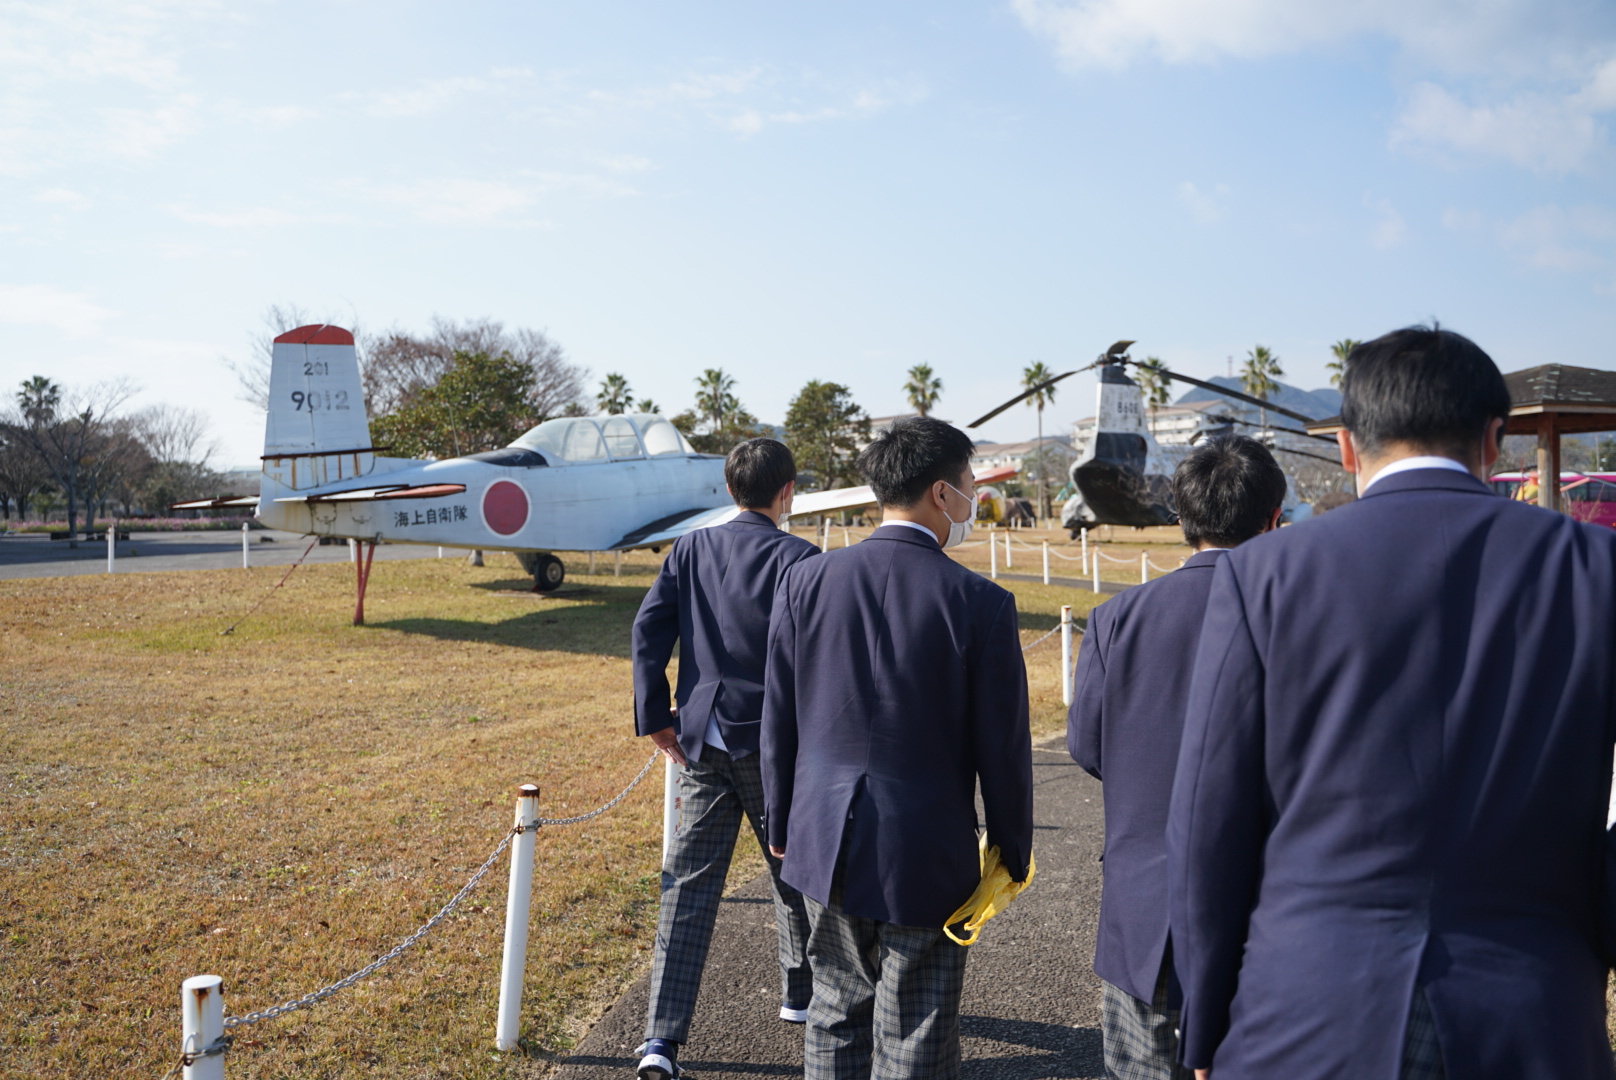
x=1410, y=463
x=911, y=525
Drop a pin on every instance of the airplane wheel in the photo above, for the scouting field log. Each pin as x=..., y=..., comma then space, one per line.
x=549, y=573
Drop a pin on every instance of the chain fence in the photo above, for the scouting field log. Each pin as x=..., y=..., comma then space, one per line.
x=190, y=1057
x=1041, y=640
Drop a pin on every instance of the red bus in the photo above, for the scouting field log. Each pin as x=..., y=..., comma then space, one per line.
x=1589, y=497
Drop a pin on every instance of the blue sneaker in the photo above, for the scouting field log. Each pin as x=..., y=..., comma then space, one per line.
x=660, y=1060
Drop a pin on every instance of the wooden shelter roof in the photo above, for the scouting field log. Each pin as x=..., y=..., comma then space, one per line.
x=1581, y=400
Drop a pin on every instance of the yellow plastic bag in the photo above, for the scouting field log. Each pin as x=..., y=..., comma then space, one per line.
x=993, y=894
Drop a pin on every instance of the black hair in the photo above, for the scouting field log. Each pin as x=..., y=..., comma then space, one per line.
x=1227, y=490
x=756, y=470
x=1424, y=386
x=912, y=455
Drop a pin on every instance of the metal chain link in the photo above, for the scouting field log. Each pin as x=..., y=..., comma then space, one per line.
x=621, y=795
x=310, y=1000
x=220, y=1045
x=1041, y=640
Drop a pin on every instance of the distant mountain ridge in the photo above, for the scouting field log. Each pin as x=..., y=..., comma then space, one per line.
x=1315, y=403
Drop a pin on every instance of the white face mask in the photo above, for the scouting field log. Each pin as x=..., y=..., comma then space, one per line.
x=958, y=530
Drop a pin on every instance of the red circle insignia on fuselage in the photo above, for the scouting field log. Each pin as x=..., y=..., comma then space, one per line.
x=505, y=507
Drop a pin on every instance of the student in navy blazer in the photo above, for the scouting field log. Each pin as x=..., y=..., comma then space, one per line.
x=712, y=598
x=1387, y=833
x=895, y=685
x=1133, y=681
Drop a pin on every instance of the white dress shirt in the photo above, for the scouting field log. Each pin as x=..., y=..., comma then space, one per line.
x=1421, y=462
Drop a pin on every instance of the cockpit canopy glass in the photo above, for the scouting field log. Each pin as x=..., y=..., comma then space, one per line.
x=578, y=440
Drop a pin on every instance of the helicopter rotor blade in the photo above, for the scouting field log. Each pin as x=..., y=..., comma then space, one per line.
x=1226, y=392
x=1222, y=419
x=1024, y=395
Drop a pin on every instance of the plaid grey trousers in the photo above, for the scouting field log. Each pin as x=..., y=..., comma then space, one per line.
x=1422, y=1054
x=1141, y=1040
x=714, y=794
x=886, y=999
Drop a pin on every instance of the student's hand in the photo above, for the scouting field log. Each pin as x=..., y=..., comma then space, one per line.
x=777, y=852
x=667, y=741
x=1203, y=1074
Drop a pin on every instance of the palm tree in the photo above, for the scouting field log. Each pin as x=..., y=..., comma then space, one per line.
x=923, y=389
x=614, y=396
x=1152, y=376
x=714, y=399
x=646, y=405
x=1338, y=366
x=1259, y=375
x=39, y=399
x=1036, y=375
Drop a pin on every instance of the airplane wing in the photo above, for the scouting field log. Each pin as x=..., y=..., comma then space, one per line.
x=666, y=530
x=216, y=504
x=374, y=494
x=857, y=498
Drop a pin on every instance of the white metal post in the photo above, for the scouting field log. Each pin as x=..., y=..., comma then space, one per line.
x=993, y=557
x=1085, y=562
x=440, y=551
x=617, y=565
x=112, y=538
x=517, y=904
x=244, y=548
x=670, y=804
x=1046, y=562
x=1094, y=568
x=1144, y=567
x=202, y=1025
x=353, y=550
x=1008, y=561
x=1066, y=655
x=847, y=539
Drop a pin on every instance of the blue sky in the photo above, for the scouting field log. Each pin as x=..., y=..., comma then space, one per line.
x=795, y=191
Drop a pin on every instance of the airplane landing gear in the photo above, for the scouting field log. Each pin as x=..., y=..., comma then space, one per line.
x=547, y=570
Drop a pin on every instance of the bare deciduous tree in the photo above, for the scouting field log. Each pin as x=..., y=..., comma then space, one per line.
x=174, y=434
x=399, y=365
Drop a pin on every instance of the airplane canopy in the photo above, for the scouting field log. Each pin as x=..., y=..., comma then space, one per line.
x=580, y=440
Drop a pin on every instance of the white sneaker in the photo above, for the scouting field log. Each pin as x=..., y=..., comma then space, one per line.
x=658, y=1063
x=794, y=1016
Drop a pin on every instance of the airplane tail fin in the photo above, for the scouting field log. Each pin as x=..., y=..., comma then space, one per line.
x=316, y=430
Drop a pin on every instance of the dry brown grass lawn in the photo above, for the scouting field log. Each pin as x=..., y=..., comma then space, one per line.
x=281, y=805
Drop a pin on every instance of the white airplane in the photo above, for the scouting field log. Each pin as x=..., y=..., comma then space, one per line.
x=602, y=483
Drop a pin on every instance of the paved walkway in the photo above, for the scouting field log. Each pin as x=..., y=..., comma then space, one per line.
x=37, y=555
x=1031, y=1006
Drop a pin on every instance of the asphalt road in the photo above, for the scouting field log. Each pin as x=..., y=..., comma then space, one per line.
x=1031, y=1005
x=36, y=555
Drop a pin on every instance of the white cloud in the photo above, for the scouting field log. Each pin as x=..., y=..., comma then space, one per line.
x=1545, y=69
x=457, y=201
x=1539, y=132
x=63, y=197
x=436, y=95
x=1458, y=220
x=1580, y=239
x=1206, y=207
x=1389, y=228
x=254, y=217
x=74, y=314
x=140, y=133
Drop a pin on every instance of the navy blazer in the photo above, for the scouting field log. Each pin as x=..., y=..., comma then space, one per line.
x=895, y=683
x=1394, y=779
x=1133, y=681
x=712, y=597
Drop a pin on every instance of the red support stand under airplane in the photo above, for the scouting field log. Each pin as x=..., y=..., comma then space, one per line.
x=362, y=570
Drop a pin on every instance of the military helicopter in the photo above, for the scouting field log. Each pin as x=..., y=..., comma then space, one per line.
x=1125, y=475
